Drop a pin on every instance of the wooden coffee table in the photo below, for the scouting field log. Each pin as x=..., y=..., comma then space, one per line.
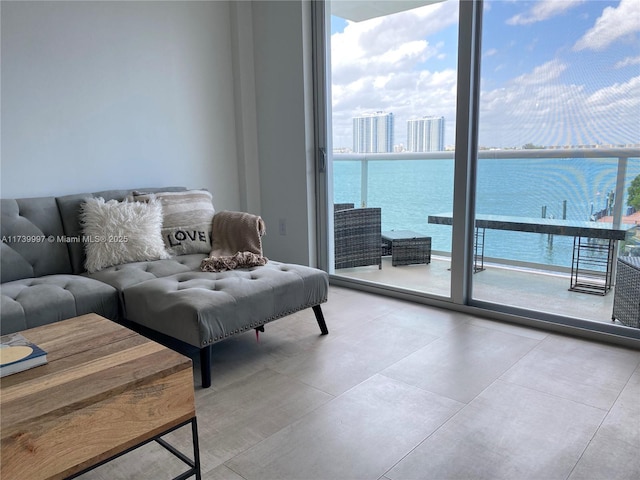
x=104, y=391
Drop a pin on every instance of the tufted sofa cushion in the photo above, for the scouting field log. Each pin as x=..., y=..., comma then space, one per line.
x=32, y=243
x=122, y=276
x=129, y=274
x=201, y=308
x=32, y=302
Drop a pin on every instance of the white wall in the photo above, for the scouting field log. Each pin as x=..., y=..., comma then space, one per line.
x=214, y=94
x=241, y=13
x=99, y=95
x=284, y=112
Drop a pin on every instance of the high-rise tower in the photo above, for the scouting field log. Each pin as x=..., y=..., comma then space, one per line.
x=373, y=132
x=425, y=134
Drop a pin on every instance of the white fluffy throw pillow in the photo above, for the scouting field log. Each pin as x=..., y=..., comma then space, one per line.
x=121, y=232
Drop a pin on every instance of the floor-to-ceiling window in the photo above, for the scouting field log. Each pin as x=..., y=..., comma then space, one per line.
x=393, y=82
x=552, y=133
x=559, y=127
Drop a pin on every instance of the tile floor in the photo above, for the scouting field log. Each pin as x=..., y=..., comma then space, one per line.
x=405, y=391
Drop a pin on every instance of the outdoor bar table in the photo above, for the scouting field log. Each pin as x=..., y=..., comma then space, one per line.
x=589, y=257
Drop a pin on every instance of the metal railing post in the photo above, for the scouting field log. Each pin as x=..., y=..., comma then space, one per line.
x=364, y=181
x=618, y=204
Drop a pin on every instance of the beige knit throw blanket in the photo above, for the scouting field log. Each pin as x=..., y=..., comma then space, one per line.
x=236, y=242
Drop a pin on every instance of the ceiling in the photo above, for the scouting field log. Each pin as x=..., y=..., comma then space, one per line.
x=359, y=10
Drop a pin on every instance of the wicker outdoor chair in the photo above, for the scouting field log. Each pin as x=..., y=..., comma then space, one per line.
x=342, y=206
x=626, y=300
x=358, y=237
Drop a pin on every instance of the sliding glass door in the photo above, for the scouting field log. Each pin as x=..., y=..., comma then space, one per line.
x=559, y=127
x=502, y=137
x=393, y=82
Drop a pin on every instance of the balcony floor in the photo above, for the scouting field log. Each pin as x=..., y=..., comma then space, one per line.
x=508, y=285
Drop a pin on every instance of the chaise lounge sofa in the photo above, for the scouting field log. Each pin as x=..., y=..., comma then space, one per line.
x=44, y=257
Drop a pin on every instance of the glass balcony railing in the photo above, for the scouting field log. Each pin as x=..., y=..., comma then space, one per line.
x=525, y=270
x=576, y=184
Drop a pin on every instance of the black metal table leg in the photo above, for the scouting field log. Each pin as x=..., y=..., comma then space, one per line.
x=194, y=465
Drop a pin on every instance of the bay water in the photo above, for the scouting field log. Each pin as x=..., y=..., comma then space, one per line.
x=408, y=191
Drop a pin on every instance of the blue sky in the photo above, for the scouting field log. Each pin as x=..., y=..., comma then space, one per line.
x=554, y=72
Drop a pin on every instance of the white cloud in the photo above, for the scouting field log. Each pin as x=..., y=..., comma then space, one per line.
x=407, y=53
x=553, y=112
x=627, y=62
x=490, y=52
x=378, y=45
x=381, y=65
x=613, y=25
x=623, y=94
x=543, y=10
x=542, y=74
x=378, y=65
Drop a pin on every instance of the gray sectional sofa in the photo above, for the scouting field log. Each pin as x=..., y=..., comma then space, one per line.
x=44, y=280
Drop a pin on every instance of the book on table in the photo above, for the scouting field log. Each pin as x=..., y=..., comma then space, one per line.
x=18, y=354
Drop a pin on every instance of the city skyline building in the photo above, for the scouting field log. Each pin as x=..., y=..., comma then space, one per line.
x=425, y=134
x=373, y=132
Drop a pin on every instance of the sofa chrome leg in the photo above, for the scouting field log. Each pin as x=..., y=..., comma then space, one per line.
x=320, y=318
x=205, y=366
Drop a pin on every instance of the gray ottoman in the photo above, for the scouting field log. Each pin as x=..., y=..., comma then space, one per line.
x=201, y=308
x=406, y=247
